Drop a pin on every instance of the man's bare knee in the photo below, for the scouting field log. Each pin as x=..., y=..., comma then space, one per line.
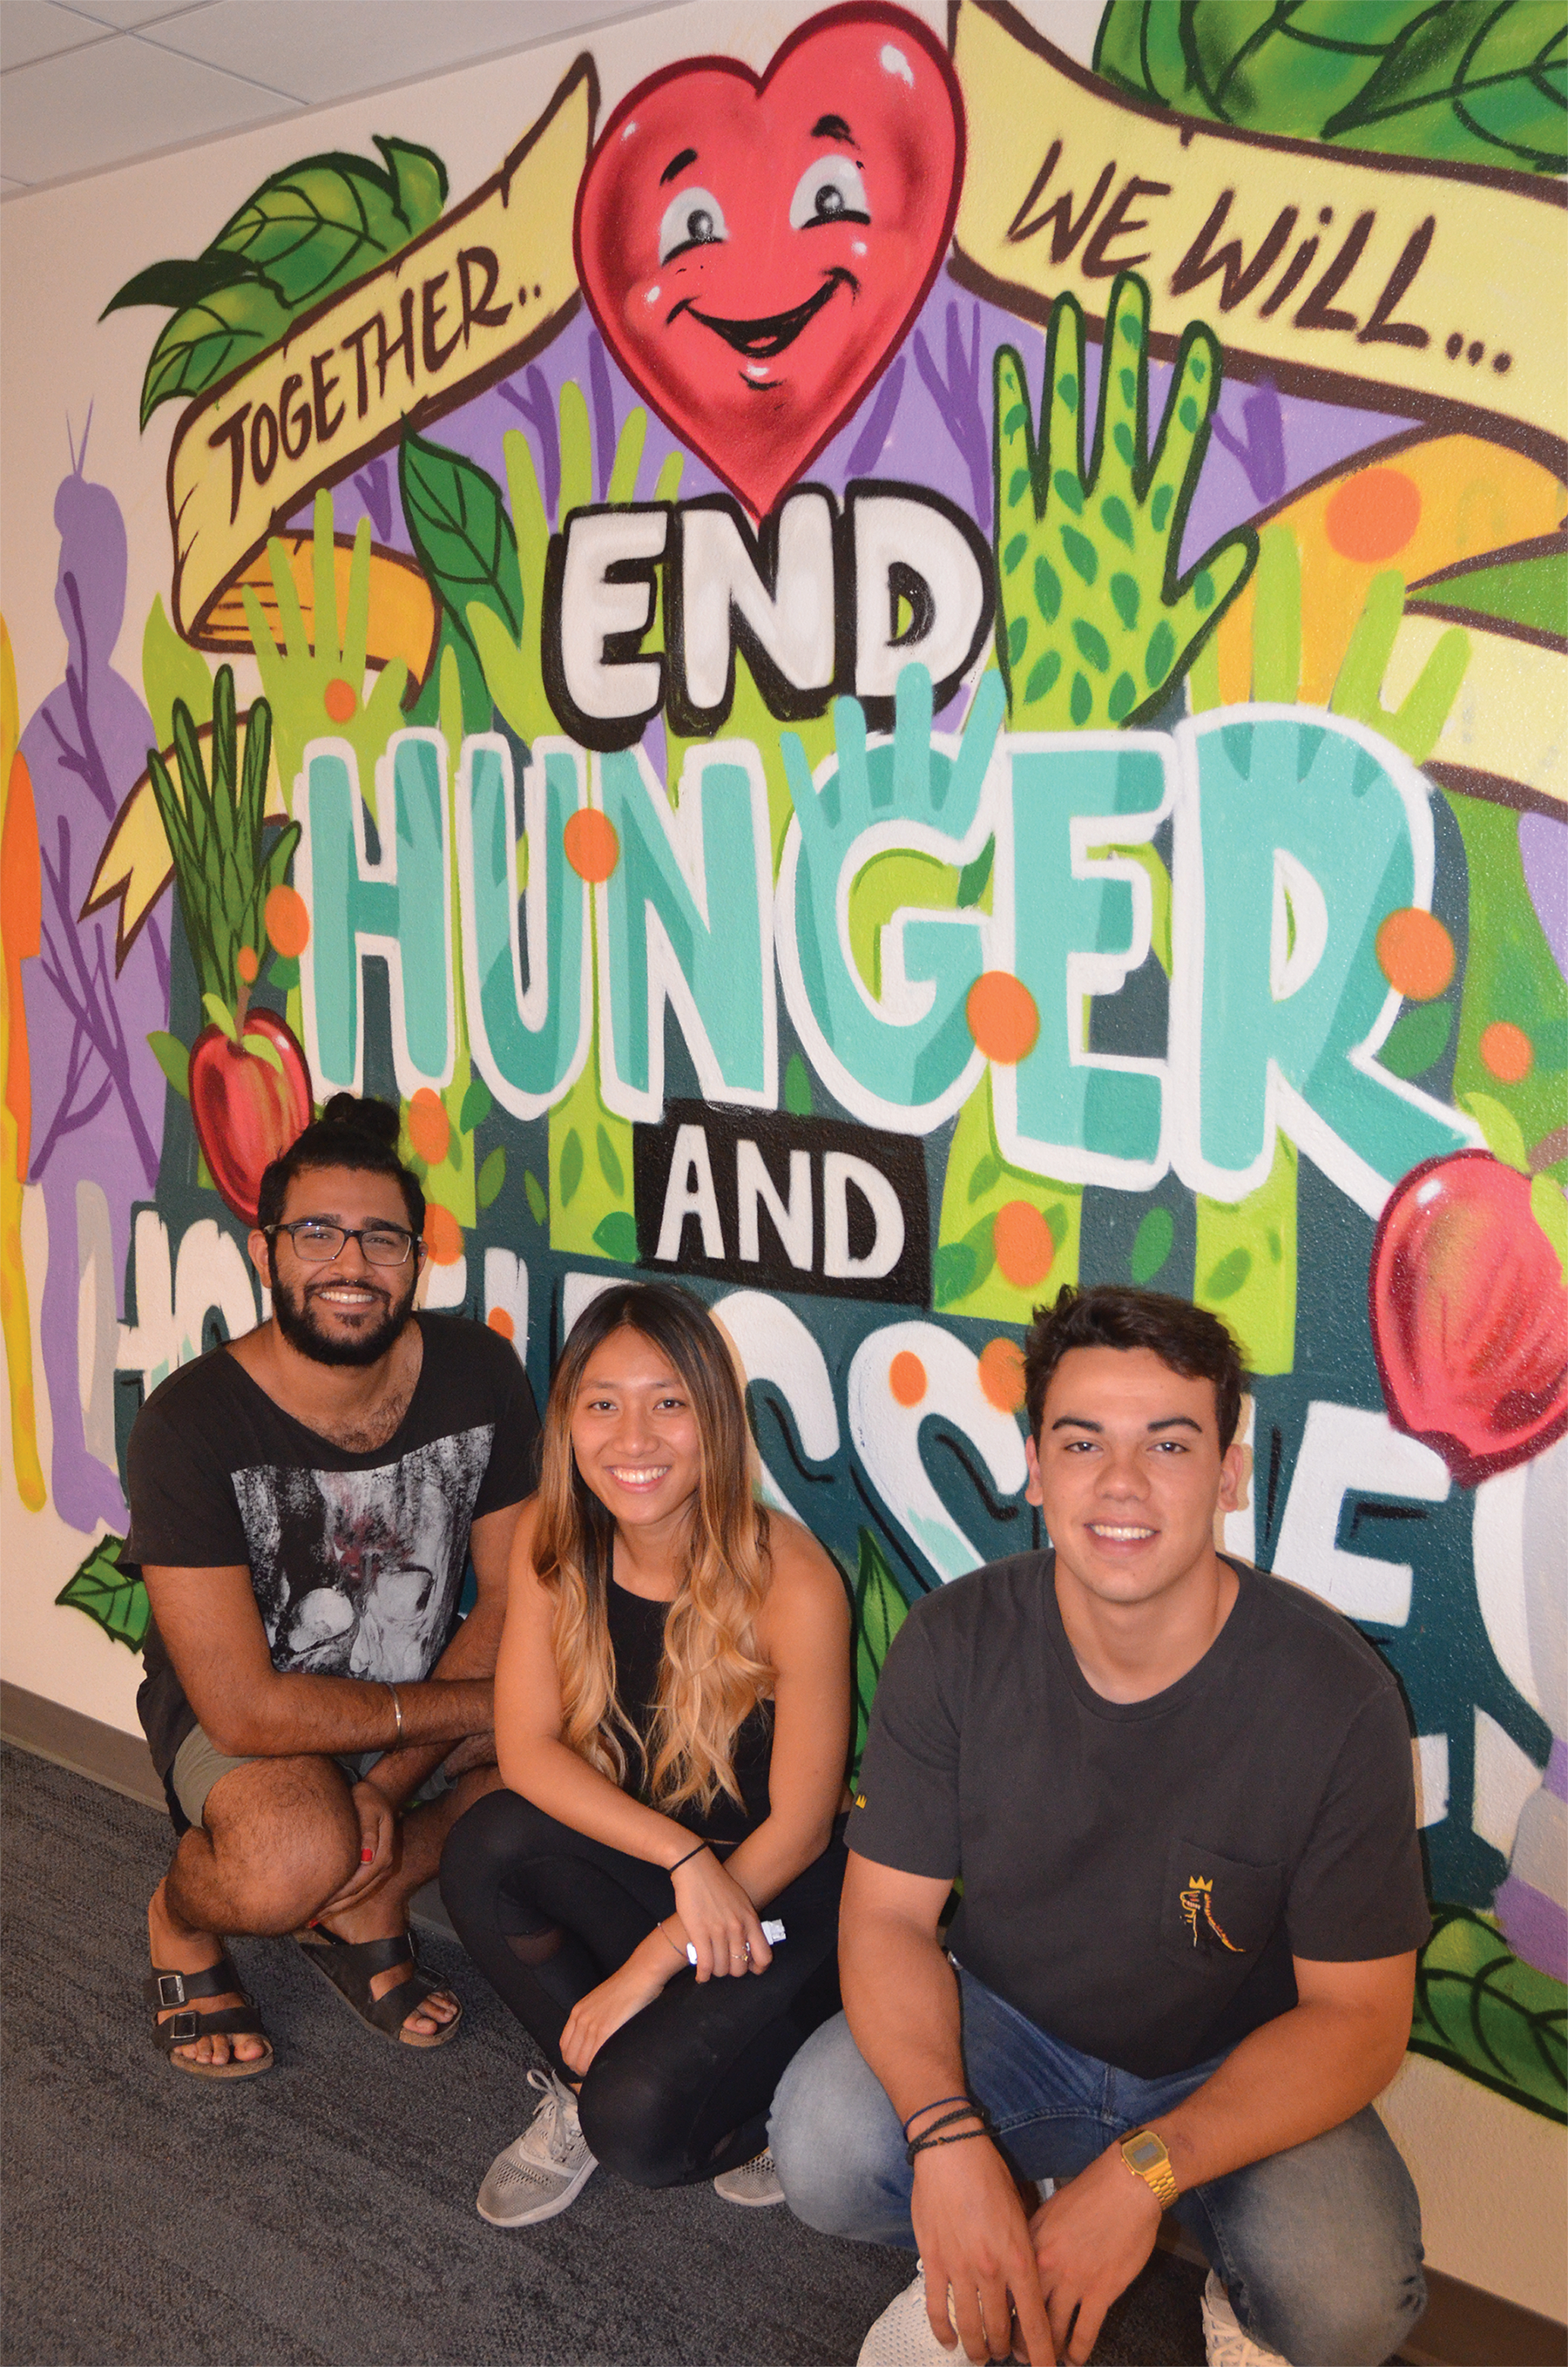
x=285, y=1837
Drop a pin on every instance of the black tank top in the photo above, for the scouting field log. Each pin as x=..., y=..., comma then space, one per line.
x=637, y=1638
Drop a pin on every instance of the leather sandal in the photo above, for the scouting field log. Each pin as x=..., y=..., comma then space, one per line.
x=164, y=1989
x=351, y=1964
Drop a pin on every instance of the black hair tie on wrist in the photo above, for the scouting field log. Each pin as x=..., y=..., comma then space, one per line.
x=690, y=1854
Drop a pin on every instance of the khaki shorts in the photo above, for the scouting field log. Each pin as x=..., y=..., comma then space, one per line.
x=198, y=1764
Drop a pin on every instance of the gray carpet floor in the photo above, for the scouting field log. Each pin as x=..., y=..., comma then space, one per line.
x=323, y=2216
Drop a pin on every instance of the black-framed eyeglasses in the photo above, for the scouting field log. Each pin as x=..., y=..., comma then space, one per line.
x=316, y=1243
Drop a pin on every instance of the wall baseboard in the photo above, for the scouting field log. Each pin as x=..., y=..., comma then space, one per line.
x=85, y=1745
x=1462, y=2327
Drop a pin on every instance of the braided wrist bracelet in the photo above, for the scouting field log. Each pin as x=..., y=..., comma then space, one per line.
x=929, y=2138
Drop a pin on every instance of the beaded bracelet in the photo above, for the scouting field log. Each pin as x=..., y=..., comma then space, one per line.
x=931, y=2108
x=929, y=2137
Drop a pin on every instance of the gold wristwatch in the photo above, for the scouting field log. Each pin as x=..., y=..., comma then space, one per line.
x=1147, y=2158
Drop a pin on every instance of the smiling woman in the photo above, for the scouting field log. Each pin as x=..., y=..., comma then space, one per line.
x=672, y=1721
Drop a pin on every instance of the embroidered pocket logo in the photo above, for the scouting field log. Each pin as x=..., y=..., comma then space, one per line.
x=1198, y=1914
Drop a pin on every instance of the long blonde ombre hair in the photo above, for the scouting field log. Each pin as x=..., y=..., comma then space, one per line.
x=713, y=1675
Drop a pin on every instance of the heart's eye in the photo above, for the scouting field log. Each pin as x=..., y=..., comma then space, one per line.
x=693, y=219
x=828, y=191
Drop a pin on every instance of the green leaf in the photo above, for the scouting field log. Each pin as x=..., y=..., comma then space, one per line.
x=1550, y=1209
x=327, y=220
x=571, y=1166
x=880, y=1611
x=609, y=1163
x=220, y=1016
x=1504, y=1136
x=461, y=534
x=1228, y=1275
x=173, y=1058
x=985, y=1175
x=971, y=879
x=539, y=1207
x=109, y=1595
x=491, y=1178
x=177, y=285
x=1151, y=1245
x=206, y=341
x=476, y=1105
x=615, y=1236
x=1458, y=83
x=797, y=1087
x=1484, y=2012
x=262, y=1048
x=1419, y=1037
x=952, y=1274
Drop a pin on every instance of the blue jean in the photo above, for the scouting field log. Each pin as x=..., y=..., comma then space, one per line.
x=1319, y=2248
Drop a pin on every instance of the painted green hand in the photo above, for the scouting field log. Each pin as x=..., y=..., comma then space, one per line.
x=315, y=690
x=515, y=669
x=1416, y=724
x=1092, y=622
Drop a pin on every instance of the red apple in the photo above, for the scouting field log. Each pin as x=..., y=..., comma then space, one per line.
x=247, y=1111
x=1470, y=1316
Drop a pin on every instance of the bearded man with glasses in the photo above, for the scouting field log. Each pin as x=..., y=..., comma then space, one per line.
x=304, y=1504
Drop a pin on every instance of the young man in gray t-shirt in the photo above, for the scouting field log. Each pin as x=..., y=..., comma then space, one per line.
x=1178, y=1796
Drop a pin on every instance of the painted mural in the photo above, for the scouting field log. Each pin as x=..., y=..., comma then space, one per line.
x=887, y=679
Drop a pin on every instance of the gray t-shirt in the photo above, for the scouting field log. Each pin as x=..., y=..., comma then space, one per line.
x=1137, y=1876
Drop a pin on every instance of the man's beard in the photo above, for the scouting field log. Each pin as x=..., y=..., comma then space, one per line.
x=294, y=1320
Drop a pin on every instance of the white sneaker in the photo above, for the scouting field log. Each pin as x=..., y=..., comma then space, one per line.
x=1226, y=2339
x=755, y=2183
x=545, y=2168
x=902, y=2336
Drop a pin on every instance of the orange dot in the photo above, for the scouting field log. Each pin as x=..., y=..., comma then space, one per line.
x=430, y=1129
x=287, y=921
x=592, y=847
x=907, y=1378
x=499, y=1320
x=443, y=1235
x=1023, y=1243
x=246, y=962
x=1508, y=1051
x=1002, y=1017
x=1373, y=514
x=1002, y=1374
x=1415, y=953
x=341, y=700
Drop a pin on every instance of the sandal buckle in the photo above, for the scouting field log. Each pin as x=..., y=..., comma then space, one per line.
x=182, y=2028
x=170, y=1989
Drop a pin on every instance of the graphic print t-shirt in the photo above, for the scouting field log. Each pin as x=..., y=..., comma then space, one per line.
x=356, y=1560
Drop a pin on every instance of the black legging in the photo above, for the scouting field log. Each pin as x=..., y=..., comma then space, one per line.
x=682, y=2091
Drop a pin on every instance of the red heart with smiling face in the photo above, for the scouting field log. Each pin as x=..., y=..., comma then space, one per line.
x=755, y=250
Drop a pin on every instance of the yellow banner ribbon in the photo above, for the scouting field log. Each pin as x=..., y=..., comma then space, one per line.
x=1437, y=292
x=461, y=306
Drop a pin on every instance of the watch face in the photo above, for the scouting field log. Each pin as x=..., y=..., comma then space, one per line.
x=1144, y=2152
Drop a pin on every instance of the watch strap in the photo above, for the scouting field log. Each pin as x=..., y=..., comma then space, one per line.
x=1153, y=2165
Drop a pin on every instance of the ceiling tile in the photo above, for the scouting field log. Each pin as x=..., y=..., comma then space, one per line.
x=125, y=16
x=119, y=98
x=36, y=28
x=335, y=49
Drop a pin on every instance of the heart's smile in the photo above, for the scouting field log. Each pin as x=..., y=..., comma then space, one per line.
x=778, y=330
x=722, y=213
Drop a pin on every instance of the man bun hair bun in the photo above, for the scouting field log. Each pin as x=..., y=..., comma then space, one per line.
x=352, y=1131
x=378, y=1120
